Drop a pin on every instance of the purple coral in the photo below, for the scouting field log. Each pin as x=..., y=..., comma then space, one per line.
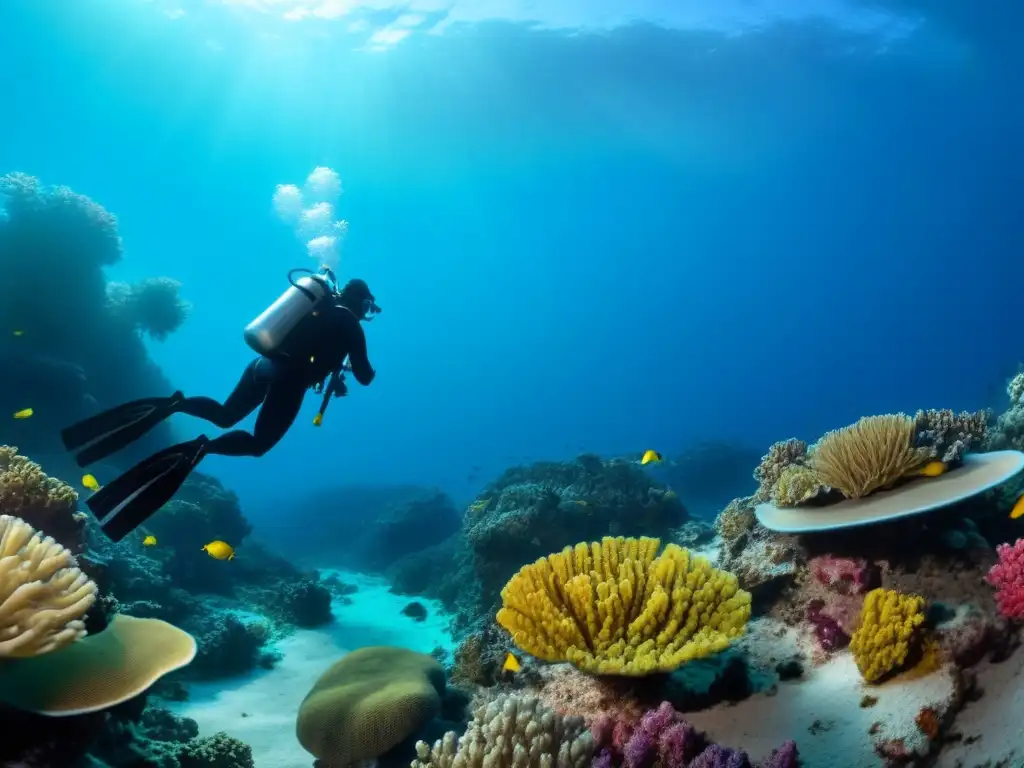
x=663, y=738
x=784, y=757
x=827, y=630
x=717, y=756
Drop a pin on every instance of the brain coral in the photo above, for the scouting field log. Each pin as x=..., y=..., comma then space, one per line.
x=368, y=702
x=616, y=607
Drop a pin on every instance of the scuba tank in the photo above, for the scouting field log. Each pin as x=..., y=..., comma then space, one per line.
x=267, y=332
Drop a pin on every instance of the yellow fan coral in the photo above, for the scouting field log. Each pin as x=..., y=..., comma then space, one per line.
x=871, y=454
x=617, y=607
x=886, y=632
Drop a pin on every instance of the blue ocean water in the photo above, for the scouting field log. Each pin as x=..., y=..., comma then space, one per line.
x=598, y=228
x=594, y=227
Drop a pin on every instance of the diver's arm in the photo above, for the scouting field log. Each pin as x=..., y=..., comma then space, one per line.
x=357, y=357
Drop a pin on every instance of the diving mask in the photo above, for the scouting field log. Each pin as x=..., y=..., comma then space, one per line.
x=370, y=309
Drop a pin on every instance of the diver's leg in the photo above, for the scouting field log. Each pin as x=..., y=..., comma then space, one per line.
x=113, y=429
x=245, y=398
x=284, y=399
x=128, y=501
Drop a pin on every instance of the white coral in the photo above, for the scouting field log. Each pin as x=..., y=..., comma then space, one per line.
x=43, y=595
x=512, y=732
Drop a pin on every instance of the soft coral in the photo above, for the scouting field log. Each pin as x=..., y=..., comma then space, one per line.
x=1007, y=576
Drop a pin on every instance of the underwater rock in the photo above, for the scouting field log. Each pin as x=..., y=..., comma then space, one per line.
x=228, y=646
x=530, y=511
x=415, y=611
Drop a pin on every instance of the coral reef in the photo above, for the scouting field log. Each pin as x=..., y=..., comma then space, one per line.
x=780, y=456
x=949, y=435
x=873, y=453
x=617, y=607
x=796, y=484
x=511, y=731
x=45, y=503
x=43, y=594
x=47, y=231
x=151, y=306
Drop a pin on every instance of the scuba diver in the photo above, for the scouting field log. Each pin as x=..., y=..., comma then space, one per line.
x=302, y=340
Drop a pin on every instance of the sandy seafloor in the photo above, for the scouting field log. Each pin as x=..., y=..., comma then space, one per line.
x=821, y=712
x=260, y=709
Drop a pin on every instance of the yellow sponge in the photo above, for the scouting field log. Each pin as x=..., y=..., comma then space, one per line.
x=617, y=607
x=886, y=632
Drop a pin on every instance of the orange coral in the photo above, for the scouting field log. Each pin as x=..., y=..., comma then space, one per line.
x=45, y=503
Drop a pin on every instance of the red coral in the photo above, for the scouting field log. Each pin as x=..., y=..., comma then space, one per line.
x=1007, y=576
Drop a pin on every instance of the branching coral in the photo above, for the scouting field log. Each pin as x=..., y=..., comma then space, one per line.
x=153, y=305
x=871, y=454
x=43, y=595
x=511, y=732
x=950, y=435
x=1007, y=576
x=45, y=503
x=888, y=629
x=616, y=607
x=780, y=455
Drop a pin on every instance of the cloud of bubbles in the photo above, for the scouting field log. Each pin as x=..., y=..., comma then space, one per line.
x=311, y=214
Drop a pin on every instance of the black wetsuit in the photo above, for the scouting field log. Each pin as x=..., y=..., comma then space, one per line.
x=315, y=350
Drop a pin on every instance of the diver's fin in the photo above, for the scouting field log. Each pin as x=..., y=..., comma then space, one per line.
x=110, y=431
x=128, y=501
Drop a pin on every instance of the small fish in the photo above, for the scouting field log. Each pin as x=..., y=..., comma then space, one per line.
x=670, y=494
x=931, y=469
x=479, y=506
x=19, y=333
x=1018, y=508
x=149, y=541
x=511, y=664
x=90, y=482
x=219, y=550
x=24, y=413
x=651, y=456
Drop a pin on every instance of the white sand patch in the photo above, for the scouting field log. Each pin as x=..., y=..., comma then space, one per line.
x=822, y=713
x=995, y=718
x=261, y=709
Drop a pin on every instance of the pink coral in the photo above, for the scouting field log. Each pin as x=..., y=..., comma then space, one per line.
x=845, y=575
x=1007, y=576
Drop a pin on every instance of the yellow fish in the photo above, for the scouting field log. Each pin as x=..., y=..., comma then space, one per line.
x=479, y=506
x=219, y=550
x=511, y=664
x=19, y=333
x=90, y=482
x=650, y=456
x=24, y=413
x=1018, y=508
x=931, y=469
x=149, y=541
